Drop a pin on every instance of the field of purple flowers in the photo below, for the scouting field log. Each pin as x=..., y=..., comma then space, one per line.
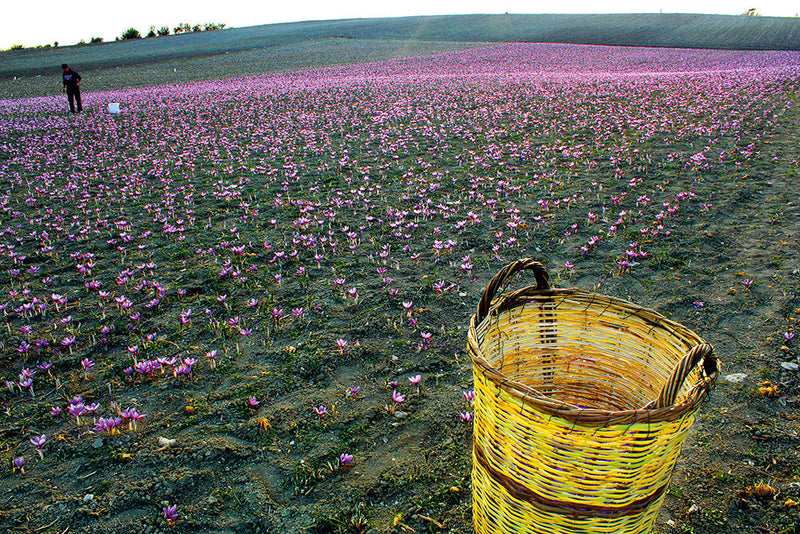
x=241, y=305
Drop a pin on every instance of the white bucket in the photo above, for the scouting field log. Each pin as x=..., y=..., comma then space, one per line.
x=113, y=108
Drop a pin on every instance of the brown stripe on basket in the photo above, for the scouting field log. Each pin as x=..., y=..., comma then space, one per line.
x=524, y=494
x=588, y=416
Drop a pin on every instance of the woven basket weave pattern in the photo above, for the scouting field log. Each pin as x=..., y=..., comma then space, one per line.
x=582, y=405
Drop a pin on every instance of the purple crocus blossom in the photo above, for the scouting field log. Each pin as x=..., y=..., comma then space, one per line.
x=170, y=513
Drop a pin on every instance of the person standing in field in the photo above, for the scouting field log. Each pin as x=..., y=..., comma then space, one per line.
x=71, y=86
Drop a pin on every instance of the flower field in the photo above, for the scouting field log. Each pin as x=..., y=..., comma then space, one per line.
x=241, y=305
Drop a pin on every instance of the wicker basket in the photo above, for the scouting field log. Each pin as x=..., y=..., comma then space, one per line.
x=582, y=404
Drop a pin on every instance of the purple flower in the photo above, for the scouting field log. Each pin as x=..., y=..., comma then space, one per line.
x=252, y=401
x=469, y=395
x=27, y=383
x=398, y=397
x=320, y=410
x=788, y=336
x=19, y=461
x=39, y=441
x=87, y=363
x=345, y=459
x=352, y=390
x=415, y=379
x=108, y=425
x=466, y=417
x=77, y=410
x=181, y=369
x=55, y=410
x=170, y=513
x=132, y=415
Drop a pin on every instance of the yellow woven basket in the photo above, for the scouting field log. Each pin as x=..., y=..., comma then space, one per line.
x=582, y=403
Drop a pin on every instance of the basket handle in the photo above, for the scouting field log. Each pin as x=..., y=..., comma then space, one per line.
x=502, y=277
x=704, y=352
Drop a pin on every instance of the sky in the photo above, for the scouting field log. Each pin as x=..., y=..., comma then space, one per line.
x=38, y=22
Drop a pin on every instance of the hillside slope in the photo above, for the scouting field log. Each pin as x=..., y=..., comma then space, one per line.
x=659, y=30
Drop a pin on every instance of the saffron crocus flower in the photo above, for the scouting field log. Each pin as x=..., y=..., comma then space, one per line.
x=107, y=424
x=747, y=283
x=55, y=410
x=426, y=339
x=415, y=380
x=77, y=410
x=788, y=336
x=19, y=462
x=353, y=293
x=320, y=410
x=181, y=370
x=87, y=364
x=132, y=415
x=466, y=417
x=345, y=459
x=38, y=442
x=469, y=395
x=170, y=513
x=212, y=358
x=398, y=397
x=27, y=383
x=353, y=390
x=252, y=401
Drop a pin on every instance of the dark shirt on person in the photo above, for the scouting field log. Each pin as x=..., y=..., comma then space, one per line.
x=71, y=79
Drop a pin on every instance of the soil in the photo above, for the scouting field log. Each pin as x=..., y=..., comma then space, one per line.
x=215, y=238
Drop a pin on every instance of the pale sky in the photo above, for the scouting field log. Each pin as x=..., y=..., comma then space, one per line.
x=38, y=22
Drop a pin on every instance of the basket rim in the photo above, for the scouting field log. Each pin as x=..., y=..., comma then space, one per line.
x=536, y=400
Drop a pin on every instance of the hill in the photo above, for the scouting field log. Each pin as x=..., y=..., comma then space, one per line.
x=652, y=30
